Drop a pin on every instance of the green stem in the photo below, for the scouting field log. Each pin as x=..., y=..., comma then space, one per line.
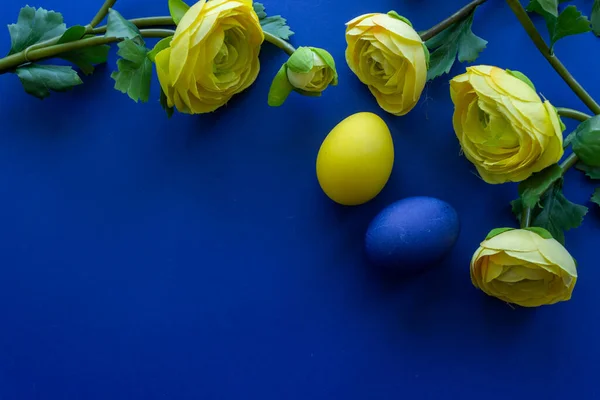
x=573, y=114
x=140, y=23
x=456, y=17
x=568, y=163
x=282, y=44
x=539, y=42
x=50, y=48
x=168, y=21
x=13, y=61
x=102, y=13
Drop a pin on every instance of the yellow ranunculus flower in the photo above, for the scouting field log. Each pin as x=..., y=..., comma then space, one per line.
x=520, y=266
x=213, y=55
x=503, y=126
x=388, y=55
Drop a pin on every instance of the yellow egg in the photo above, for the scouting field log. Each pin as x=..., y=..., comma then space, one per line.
x=355, y=160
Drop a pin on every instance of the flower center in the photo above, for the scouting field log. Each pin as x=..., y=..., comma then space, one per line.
x=227, y=56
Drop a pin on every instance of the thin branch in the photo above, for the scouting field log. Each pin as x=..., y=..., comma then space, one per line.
x=456, y=17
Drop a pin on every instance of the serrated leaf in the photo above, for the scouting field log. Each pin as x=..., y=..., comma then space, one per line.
x=535, y=186
x=558, y=214
x=259, y=9
x=72, y=34
x=34, y=26
x=595, y=17
x=88, y=57
x=456, y=40
x=40, y=80
x=165, y=105
x=497, y=231
x=121, y=28
x=596, y=196
x=548, y=6
x=160, y=46
x=135, y=71
x=275, y=25
x=177, y=8
x=280, y=88
x=569, y=22
x=591, y=172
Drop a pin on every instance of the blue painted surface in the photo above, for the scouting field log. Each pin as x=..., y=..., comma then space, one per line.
x=197, y=258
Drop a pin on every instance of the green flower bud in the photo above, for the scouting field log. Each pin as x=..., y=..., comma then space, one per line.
x=586, y=142
x=309, y=71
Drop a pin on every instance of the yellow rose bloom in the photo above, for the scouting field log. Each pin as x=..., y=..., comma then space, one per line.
x=521, y=267
x=388, y=56
x=213, y=55
x=503, y=126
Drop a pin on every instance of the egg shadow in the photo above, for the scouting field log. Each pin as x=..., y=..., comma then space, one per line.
x=441, y=287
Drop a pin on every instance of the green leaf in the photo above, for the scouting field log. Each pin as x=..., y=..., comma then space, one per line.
x=88, y=57
x=458, y=39
x=427, y=56
x=559, y=214
x=517, y=208
x=302, y=61
x=40, y=80
x=540, y=231
x=165, y=105
x=329, y=60
x=280, y=88
x=160, y=46
x=569, y=22
x=497, y=231
x=34, y=26
x=546, y=6
x=72, y=34
x=121, y=28
x=586, y=141
x=394, y=14
x=596, y=196
x=275, y=25
x=591, y=172
x=535, y=186
x=135, y=71
x=177, y=8
x=259, y=9
x=595, y=17
x=521, y=76
x=307, y=93
x=563, y=127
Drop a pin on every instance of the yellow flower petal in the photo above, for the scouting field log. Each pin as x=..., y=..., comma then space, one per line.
x=556, y=254
x=387, y=54
x=516, y=240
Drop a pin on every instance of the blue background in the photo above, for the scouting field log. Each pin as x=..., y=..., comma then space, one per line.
x=197, y=258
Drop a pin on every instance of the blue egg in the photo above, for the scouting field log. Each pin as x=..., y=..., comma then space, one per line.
x=412, y=234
